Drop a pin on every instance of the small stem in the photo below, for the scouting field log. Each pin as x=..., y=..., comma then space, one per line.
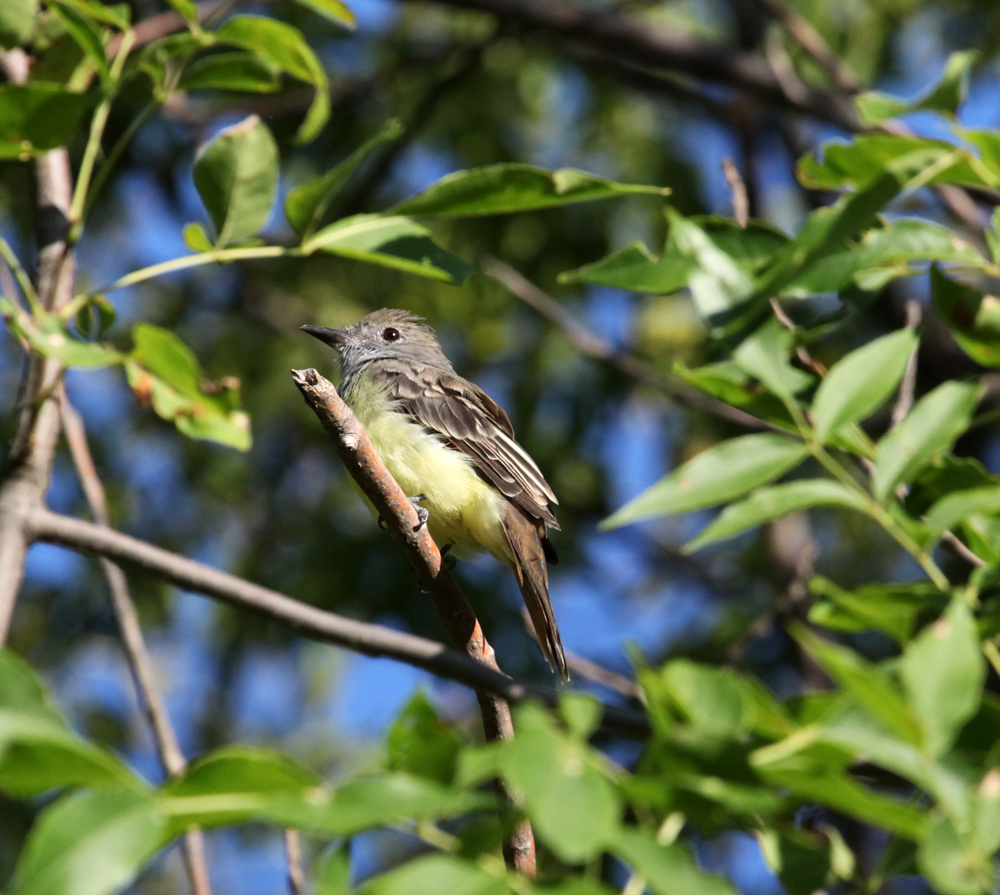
x=880, y=515
x=218, y=256
x=97, y=125
x=23, y=280
x=108, y=165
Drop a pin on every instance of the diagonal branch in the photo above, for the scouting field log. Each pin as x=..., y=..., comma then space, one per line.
x=355, y=449
x=24, y=476
x=315, y=624
x=593, y=346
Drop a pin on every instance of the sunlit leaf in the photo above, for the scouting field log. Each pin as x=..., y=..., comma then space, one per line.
x=511, y=187
x=390, y=241
x=305, y=204
x=17, y=20
x=435, y=874
x=946, y=96
x=91, y=843
x=47, y=335
x=667, y=869
x=943, y=671
x=929, y=430
x=237, y=175
x=715, y=476
x=230, y=71
x=859, y=383
x=333, y=10
x=972, y=317
x=772, y=503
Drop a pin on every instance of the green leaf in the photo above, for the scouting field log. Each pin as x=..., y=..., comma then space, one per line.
x=890, y=608
x=667, y=869
x=637, y=269
x=720, y=287
x=187, y=9
x=865, y=682
x=865, y=159
x=574, y=807
x=943, y=671
x=117, y=15
x=581, y=713
x=952, y=864
x=237, y=175
x=715, y=476
x=17, y=21
x=512, y=187
x=233, y=785
x=797, y=858
x=396, y=242
x=946, y=96
x=711, y=699
x=859, y=383
x=772, y=503
x=972, y=317
x=333, y=10
x=306, y=204
x=434, y=875
x=765, y=355
x=81, y=29
x=230, y=71
x=196, y=239
x=285, y=48
x=92, y=843
x=38, y=116
x=163, y=371
x=420, y=743
x=47, y=335
x=333, y=872
x=22, y=690
x=957, y=507
x=928, y=431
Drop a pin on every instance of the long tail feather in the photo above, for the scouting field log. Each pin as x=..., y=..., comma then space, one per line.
x=525, y=537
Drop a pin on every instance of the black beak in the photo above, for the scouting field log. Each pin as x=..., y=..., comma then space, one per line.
x=332, y=337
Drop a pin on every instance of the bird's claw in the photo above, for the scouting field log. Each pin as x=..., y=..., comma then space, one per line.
x=422, y=514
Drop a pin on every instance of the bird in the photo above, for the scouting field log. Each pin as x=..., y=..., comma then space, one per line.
x=452, y=450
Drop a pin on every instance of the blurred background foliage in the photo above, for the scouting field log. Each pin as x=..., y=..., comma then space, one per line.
x=471, y=88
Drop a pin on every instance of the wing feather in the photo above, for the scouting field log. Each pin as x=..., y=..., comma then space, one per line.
x=459, y=411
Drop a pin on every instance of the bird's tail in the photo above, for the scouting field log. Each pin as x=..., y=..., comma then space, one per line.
x=526, y=539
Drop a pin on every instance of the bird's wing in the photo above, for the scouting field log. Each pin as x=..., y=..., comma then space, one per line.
x=470, y=421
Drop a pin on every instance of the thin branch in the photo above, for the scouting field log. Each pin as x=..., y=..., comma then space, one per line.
x=140, y=662
x=807, y=37
x=972, y=558
x=293, y=853
x=741, y=201
x=906, y=388
x=315, y=624
x=593, y=346
x=356, y=451
x=637, y=42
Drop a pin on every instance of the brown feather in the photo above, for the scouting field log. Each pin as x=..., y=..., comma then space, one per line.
x=525, y=537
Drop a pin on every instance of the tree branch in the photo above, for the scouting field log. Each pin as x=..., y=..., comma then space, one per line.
x=456, y=613
x=315, y=624
x=24, y=478
x=593, y=346
x=638, y=43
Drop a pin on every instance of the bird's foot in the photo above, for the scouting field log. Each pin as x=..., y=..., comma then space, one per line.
x=422, y=514
x=448, y=562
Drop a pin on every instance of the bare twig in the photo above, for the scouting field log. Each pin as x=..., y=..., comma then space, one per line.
x=293, y=854
x=906, y=388
x=741, y=202
x=356, y=451
x=595, y=347
x=801, y=352
x=592, y=671
x=807, y=37
x=972, y=558
x=140, y=663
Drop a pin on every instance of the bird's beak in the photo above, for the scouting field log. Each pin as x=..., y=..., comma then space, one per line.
x=332, y=337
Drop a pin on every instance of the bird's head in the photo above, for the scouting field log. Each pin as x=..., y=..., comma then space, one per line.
x=381, y=335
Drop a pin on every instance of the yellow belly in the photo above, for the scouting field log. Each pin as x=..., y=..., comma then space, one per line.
x=464, y=511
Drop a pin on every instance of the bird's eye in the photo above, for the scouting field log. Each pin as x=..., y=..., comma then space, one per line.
x=390, y=334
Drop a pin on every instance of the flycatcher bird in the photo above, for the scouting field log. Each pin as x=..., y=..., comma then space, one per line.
x=452, y=449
